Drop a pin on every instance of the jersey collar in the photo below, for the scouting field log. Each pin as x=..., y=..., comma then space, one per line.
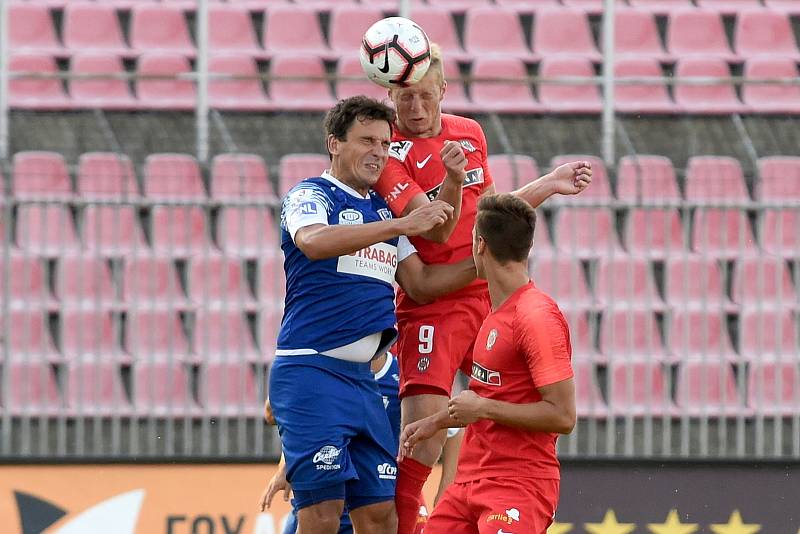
x=341, y=185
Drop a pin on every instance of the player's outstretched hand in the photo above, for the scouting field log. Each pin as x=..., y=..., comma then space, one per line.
x=276, y=484
x=466, y=407
x=454, y=160
x=415, y=432
x=426, y=217
x=572, y=178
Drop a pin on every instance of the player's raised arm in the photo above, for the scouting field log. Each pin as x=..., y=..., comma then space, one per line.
x=425, y=283
x=568, y=179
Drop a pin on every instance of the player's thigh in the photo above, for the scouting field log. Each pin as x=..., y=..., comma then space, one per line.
x=521, y=506
x=452, y=514
x=377, y=517
x=320, y=518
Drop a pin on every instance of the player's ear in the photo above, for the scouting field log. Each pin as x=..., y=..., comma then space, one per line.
x=333, y=144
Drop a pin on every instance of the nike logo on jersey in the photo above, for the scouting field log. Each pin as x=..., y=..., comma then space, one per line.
x=422, y=163
x=501, y=531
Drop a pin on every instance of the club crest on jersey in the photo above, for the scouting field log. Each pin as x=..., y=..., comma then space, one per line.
x=350, y=217
x=508, y=517
x=487, y=376
x=400, y=149
x=423, y=363
x=490, y=341
x=384, y=214
x=467, y=145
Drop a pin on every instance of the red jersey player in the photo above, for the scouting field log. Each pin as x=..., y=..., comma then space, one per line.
x=435, y=155
x=521, y=393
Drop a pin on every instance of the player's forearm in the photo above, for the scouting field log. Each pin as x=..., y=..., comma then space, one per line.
x=542, y=416
x=537, y=191
x=322, y=241
x=439, y=280
x=450, y=192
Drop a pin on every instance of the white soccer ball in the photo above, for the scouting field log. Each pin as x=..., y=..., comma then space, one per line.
x=395, y=52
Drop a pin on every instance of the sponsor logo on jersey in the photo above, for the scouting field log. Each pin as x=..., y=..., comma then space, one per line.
x=399, y=149
x=508, y=517
x=387, y=472
x=307, y=208
x=351, y=217
x=467, y=145
x=384, y=214
x=487, y=376
x=326, y=457
x=474, y=176
x=492, y=339
x=396, y=191
x=423, y=363
x=377, y=261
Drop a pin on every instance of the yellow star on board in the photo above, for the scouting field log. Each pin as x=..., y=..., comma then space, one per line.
x=610, y=525
x=672, y=525
x=735, y=526
x=563, y=528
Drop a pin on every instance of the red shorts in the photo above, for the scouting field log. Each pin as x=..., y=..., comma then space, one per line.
x=493, y=505
x=436, y=340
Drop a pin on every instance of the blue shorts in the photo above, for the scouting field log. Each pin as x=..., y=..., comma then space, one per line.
x=334, y=429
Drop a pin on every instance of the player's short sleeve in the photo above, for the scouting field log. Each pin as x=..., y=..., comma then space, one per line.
x=404, y=248
x=542, y=335
x=396, y=185
x=305, y=205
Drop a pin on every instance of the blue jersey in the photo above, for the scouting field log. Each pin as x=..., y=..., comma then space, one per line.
x=336, y=301
x=389, y=383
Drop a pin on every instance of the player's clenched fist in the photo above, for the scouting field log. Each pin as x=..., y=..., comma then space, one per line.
x=426, y=217
x=466, y=407
x=454, y=160
x=572, y=178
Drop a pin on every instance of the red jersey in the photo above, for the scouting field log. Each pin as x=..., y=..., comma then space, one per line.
x=522, y=346
x=415, y=167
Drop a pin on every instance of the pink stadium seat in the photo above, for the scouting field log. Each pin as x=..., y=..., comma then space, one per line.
x=790, y=7
x=511, y=171
x=599, y=191
x=636, y=34
x=31, y=28
x=160, y=27
x=299, y=95
x=715, y=179
x=157, y=335
x=281, y=35
x=350, y=66
x=593, y=7
x=502, y=97
x=527, y=6
x=112, y=230
x=231, y=30
x=779, y=178
x=588, y=399
x=93, y=26
x=240, y=177
x=641, y=98
x=89, y=334
x=41, y=175
x=269, y=324
x=106, y=175
x=95, y=388
x=697, y=32
x=773, y=388
x=460, y=6
x=568, y=97
x=700, y=334
x=706, y=99
x=628, y=281
x=581, y=335
x=236, y=94
x=693, y=281
x=84, y=281
x=327, y=5
x=630, y=334
x=586, y=232
x=660, y=7
x=152, y=282
x=638, y=388
x=223, y=335
x=28, y=337
x=180, y=231
x=764, y=32
x=440, y=28
x=722, y=233
x=771, y=98
x=161, y=389
x=562, y=278
x=348, y=22
x=46, y=229
x=707, y=388
x=767, y=334
x=178, y=94
x=763, y=280
x=173, y=176
x=455, y=96
x=32, y=388
x=33, y=93
x=247, y=232
x=297, y=167
x=26, y=281
x=271, y=281
x=563, y=31
x=229, y=388
x=780, y=232
x=729, y=7
x=219, y=281
x=650, y=178
x=100, y=93
x=492, y=30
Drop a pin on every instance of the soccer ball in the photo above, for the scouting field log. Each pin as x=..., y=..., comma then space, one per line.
x=395, y=52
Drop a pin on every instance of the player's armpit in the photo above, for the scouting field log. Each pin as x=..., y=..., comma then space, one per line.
x=425, y=283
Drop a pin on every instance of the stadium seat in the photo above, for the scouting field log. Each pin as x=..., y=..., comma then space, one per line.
x=94, y=388
x=502, y=97
x=90, y=334
x=706, y=98
x=236, y=94
x=156, y=335
x=350, y=66
x=588, y=399
x=173, y=94
x=281, y=35
x=100, y=93
x=773, y=388
x=93, y=26
x=767, y=333
x=647, y=178
x=563, y=31
x=525, y=7
x=778, y=178
x=630, y=334
x=31, y=28
x=173, y=176
x=707, y=388
x=780, y=232
x=730, y=7
x=693, y=281
x=660, y=7
x=161, y=389
x=152, y=282
x=771, y=98
x=638, y=388
x=294, y=168
x=581, y=334
x=722, y=233
x=180, y=231
x=240, y=177
x=763, y=280
x=599, y=191
x=112, y=231
x=33, y=93
x=84, y=281
x=511, y=171
x=106, y=175
x=455, y=96
x=764, y=32
x=32, y=389
x=700, y=334
x=27, y=283
x=790, y=7
x=697, y=32
x=299, y=95
x=593, y=7
x=562, y=278
x=229, y=388
x=569, y=97
x=645, y=98
x=492, y=30
x=626, y=281
x=230, y=29
x=269, y=324
x=224, y=335
x=271, y=281
x=28, y=336
x=460, y=6
x=347, y=25
x=440, y=28
x=219, y=281
x=636, y=34
x=41, y=175
x=160, y=27
x=46, y=229
x=586, y=232
x=715, y=179
x=247, y=232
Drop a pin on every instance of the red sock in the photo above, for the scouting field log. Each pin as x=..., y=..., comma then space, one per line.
x=411, y=477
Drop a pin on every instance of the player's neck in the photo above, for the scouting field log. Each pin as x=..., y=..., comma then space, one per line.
x=504, y=280
x=433, y=131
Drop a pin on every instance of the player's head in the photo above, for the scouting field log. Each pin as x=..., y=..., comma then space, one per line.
x=358, y=132
x=503, y=232
x=419, y=106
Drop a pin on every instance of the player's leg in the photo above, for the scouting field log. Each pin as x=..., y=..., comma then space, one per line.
x=520, y=505
x=378, y=518
x=321, y=518
x=453, y=514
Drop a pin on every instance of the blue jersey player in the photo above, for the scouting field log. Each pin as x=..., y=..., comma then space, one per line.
x=342, y=252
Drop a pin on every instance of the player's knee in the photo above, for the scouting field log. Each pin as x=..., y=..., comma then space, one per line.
x=322, y=517
x=377, y=518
